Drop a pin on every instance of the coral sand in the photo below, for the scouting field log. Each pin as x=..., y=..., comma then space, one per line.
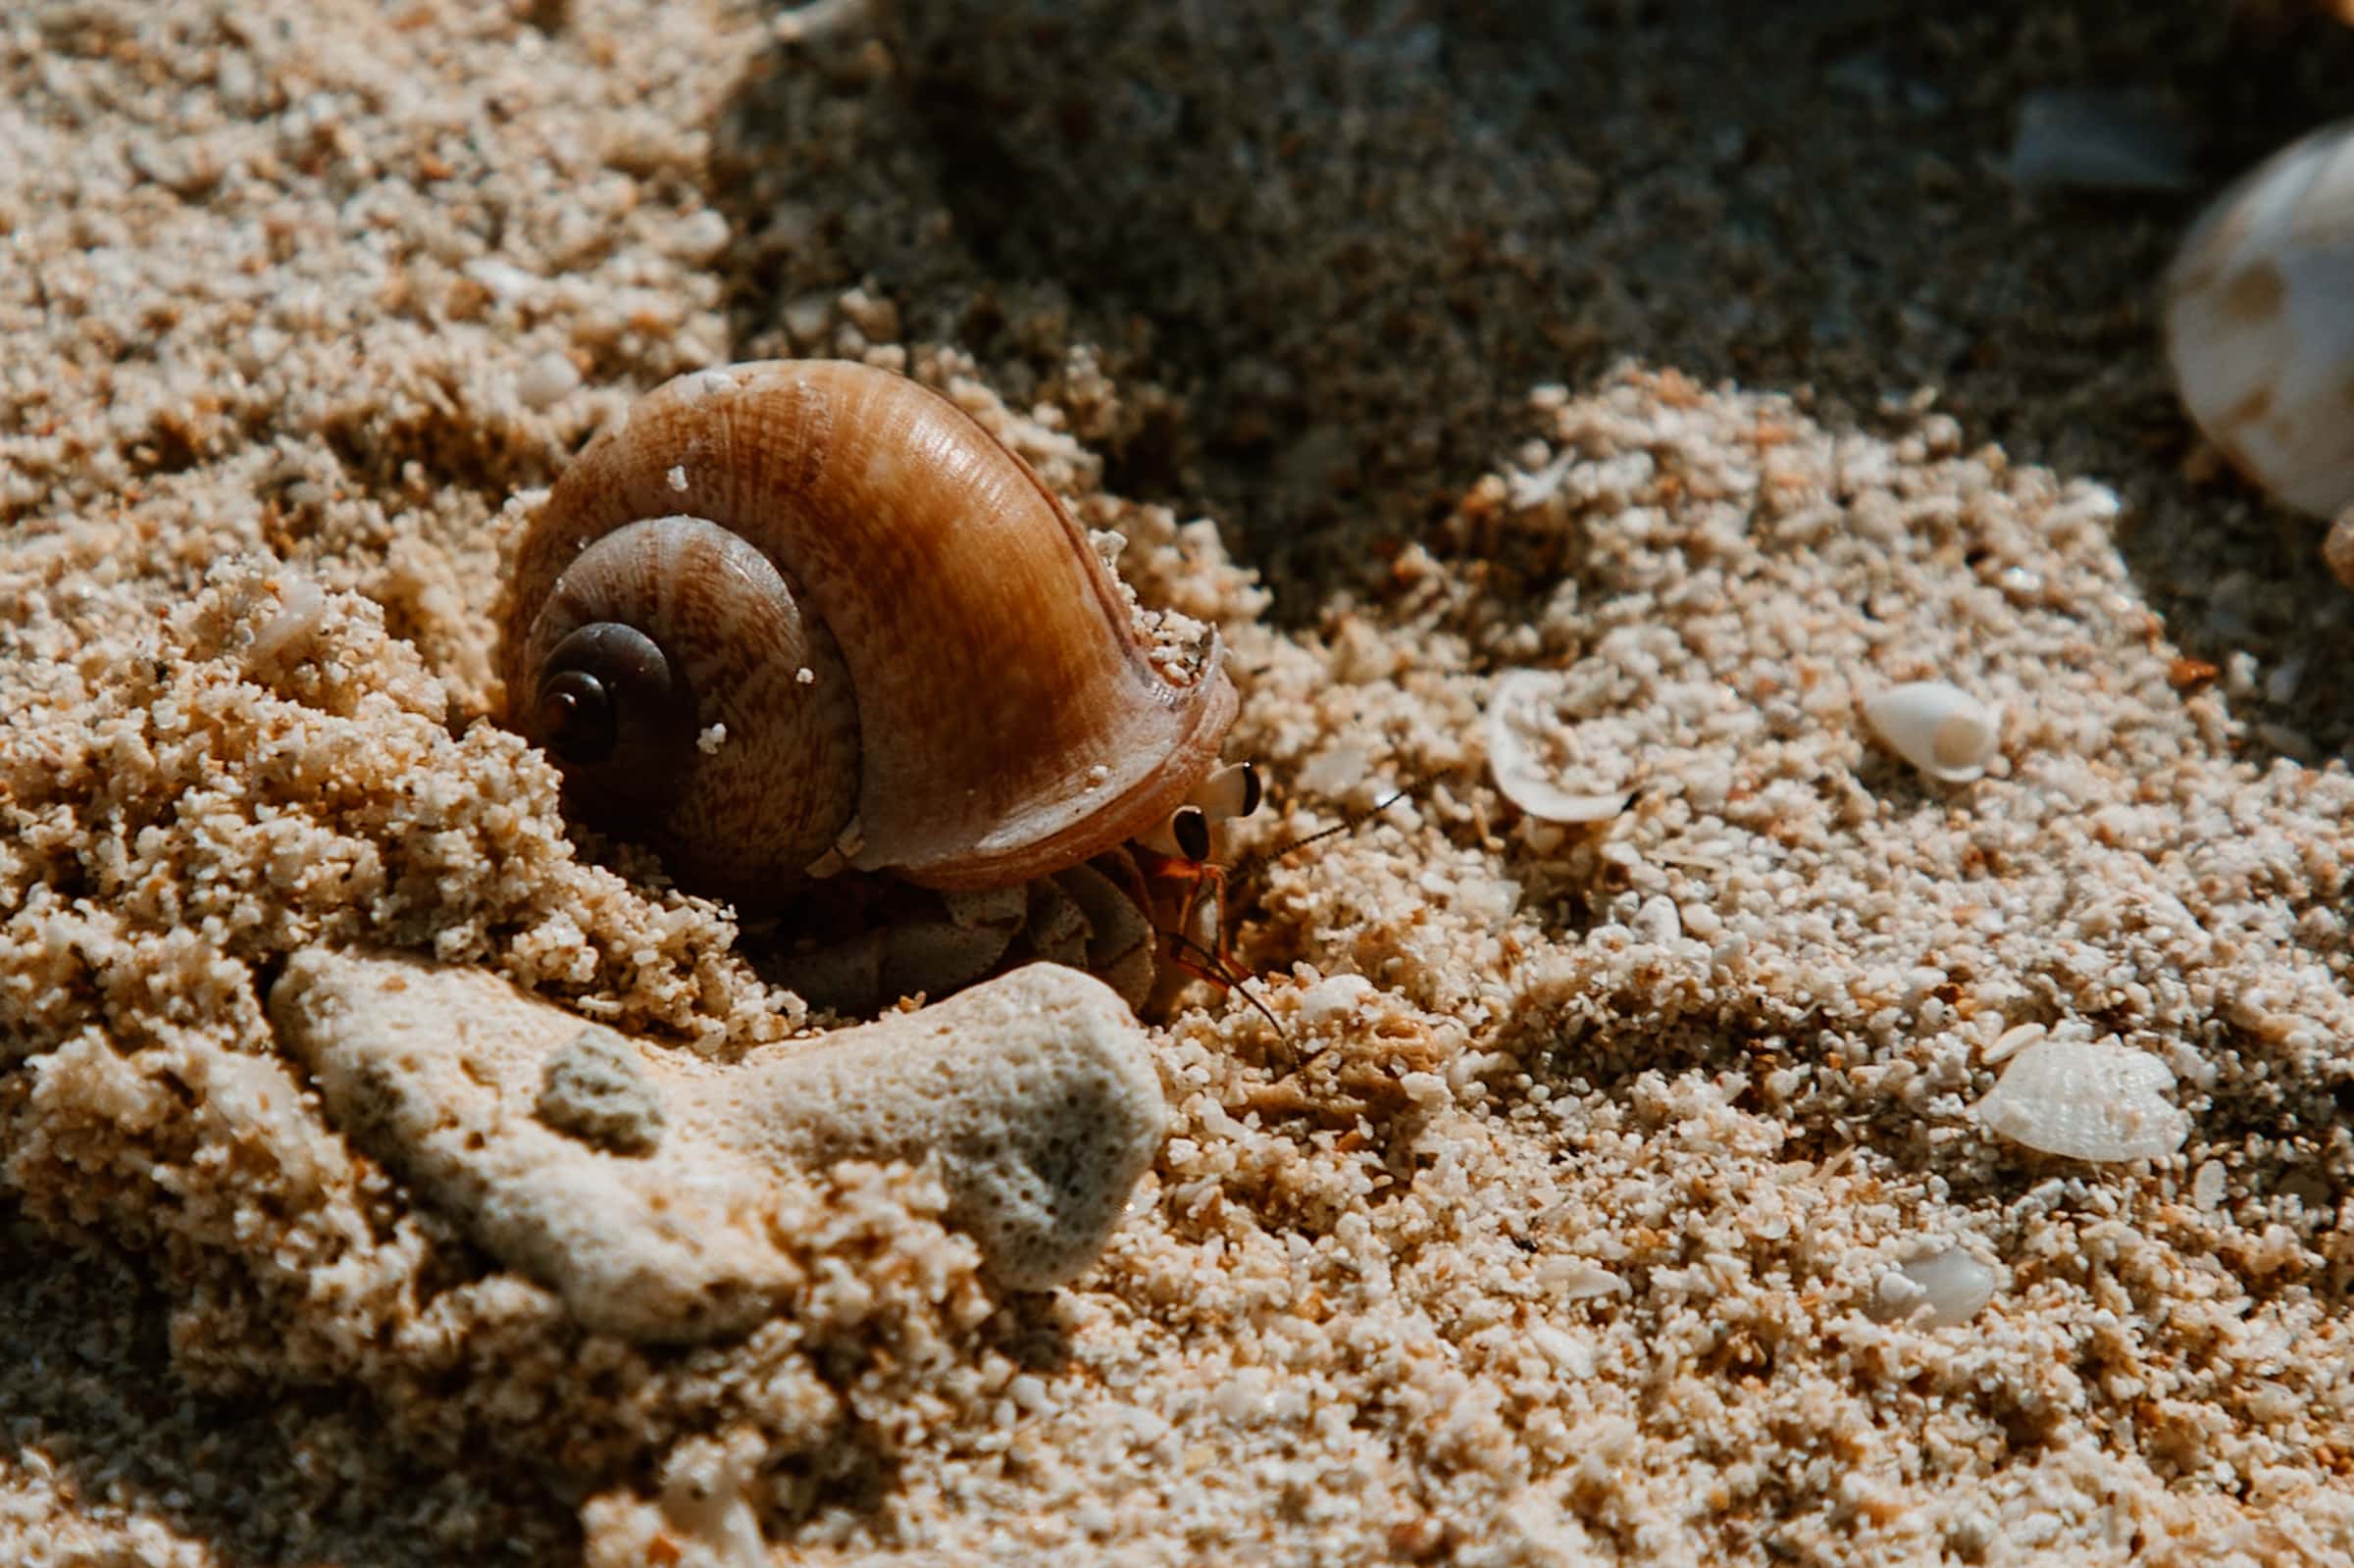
x=1572, y=1197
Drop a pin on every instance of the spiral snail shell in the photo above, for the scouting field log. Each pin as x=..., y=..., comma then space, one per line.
x=794, y=616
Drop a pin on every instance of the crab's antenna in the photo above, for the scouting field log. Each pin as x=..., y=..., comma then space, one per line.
x=1260, y=860
x=1214, y=968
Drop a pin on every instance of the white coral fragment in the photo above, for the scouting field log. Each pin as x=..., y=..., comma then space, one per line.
x=639, y=1185
x=1939, y=728
x=2095, y=1100
x=1516, y=709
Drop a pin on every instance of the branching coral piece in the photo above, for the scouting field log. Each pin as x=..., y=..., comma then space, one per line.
x=648, y=1189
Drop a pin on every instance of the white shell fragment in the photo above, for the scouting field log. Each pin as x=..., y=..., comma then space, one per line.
x=1571, y=1279
x=1515, y=710
x=2086, y=1100
x=1940, y=1291
x=1940, y=729
x=2260, y=323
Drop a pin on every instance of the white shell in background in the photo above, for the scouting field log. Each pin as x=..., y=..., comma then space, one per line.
x=2088, y=1100
x=2260, y=323
x=1939, y=728
x=1514, y=710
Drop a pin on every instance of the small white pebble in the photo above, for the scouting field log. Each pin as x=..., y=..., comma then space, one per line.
x=698, y=237
x=1659, y=920
x=878, y=319
x=1242, y=1396
x=1093, y=1518
x=1896, y=1294
x=506, y=281
x=678, y=479
x=1428, y=1090
x=805, y=318
x=1336, y=997
x=2207, y=1186
x=805, y=676
x=711, y=739
x=547, y=380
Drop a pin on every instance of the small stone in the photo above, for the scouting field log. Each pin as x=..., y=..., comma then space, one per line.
x=593, y=1089
x=547, y=380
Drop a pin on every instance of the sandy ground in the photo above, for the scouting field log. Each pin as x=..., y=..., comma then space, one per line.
x=1716, y=369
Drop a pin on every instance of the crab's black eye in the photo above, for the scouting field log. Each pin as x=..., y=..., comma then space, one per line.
x=1251, y=791
x=1190, y=828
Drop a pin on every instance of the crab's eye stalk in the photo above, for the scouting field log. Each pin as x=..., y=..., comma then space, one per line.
x=1185, y=835
x=1188, y=833
x=1231, y=791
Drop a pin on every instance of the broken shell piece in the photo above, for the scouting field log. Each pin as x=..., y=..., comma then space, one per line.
x=1939, y=1291
x=2088, y=1100
x=1035, y=1092
x=2257, y=327
x=1571, y=1279
x=1511, y=717
x=2010, y=1042
x=1940, y=729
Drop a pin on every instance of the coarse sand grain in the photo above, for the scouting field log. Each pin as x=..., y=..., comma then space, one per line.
x=1580, y=1209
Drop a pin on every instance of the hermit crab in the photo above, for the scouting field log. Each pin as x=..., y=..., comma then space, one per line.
x=795, y=622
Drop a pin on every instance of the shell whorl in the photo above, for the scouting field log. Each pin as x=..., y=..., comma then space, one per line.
x=1007, y=715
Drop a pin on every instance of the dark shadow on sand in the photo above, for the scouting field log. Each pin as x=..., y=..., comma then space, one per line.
x=1346, y=244
x=298, y=1478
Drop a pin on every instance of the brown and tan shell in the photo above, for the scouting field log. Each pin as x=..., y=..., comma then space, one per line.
x=898, y=652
